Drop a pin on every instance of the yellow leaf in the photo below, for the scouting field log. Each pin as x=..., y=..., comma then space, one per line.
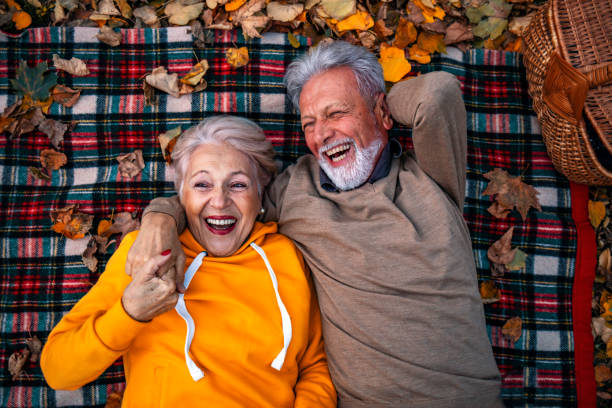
x=430, y=13
x=597, y=212
x=361, y=20
x=237, y=57
x=234, y=5
x=21, y=19
x=195, y=74
x=431, y=42
x=103, y=226
x=406, y=33
x=419, y=55
x=394, y=63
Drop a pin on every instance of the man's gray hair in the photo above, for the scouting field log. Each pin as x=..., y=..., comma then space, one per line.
x=328, y=55
x=242, y=134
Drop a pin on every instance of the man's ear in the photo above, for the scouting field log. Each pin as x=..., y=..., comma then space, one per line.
x=381, y=112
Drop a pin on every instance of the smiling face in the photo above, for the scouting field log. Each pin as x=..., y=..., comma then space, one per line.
x=220, y=197
x=341, y=130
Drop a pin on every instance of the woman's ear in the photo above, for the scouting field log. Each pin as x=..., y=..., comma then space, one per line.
x=382, y=113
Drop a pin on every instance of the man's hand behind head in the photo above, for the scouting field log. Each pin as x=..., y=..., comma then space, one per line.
x=157, y=234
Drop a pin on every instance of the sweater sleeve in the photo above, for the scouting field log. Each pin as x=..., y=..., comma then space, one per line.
x=170, y=206
x=94, y=333
x=432, y=105
x=314, y=387
x=274, y=195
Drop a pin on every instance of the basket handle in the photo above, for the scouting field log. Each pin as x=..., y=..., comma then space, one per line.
x=599, y=75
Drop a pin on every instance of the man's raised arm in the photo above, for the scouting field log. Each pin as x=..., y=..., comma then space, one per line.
x=162, y=222
x=432, y=105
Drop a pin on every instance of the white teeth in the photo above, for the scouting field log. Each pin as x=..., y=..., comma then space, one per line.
x=225, y=221
x=338, y=158
x=337, y=149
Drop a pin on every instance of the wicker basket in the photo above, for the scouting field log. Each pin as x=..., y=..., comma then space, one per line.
x=567, y=54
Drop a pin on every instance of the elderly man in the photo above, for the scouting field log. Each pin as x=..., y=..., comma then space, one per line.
x=382, y=232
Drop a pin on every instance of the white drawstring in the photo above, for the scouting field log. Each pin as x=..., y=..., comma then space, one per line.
x=194, y=370
x=285, y=319
x=197, y=373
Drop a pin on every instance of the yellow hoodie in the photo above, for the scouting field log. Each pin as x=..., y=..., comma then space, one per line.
x=240, y=329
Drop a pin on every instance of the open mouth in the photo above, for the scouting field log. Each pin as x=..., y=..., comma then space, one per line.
x=221, y=225
x=339, y=152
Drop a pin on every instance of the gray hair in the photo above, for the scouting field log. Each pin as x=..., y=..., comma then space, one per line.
x=328, y=55
x=242, y=134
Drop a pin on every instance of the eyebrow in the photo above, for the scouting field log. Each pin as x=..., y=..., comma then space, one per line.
x=331, y=106
x=233, y=173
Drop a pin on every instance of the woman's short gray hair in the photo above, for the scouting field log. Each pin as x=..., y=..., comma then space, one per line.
x=328, y=55
x=242, y=134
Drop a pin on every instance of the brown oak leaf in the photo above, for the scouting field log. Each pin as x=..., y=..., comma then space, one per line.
x=510, y=192
x=513, y=329
x=131, y=164
x=52, y=160
x=35, y=346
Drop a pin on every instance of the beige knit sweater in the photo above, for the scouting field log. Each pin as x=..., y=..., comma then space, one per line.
x=393, y=267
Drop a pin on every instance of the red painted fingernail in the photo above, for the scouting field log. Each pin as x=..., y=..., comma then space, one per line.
x=166, y=252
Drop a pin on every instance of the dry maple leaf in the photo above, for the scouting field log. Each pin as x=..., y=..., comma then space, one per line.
x=123, y=223
x=65, y=96
x=114, y=400
x=74, y=66
x=16, y=362
x=54, y=129
x=339, y=9
x=160, y=79
x=406, y=33
x=278, y=11
x=501, y=251
x=182, y=14
x=70, y=222
x=52, y=160
x=381, y=29
x=489, y=293
x=147, y=15
x=602, y=374
x=88, y=256
x=34, y=346
x=167, y=140
x=510, y=192
x=109, y=36
x=131, y=164
x=237, y=57
x=513, y=329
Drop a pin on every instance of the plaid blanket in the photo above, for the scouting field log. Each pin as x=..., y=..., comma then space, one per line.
x=42, y=274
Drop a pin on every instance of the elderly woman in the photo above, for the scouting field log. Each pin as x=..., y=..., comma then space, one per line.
x=245, y=332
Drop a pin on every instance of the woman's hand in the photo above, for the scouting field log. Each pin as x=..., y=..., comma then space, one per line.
x=149, y=295
x=157, y=233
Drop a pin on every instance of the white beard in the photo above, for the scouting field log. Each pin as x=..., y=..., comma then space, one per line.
x=352, y=174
